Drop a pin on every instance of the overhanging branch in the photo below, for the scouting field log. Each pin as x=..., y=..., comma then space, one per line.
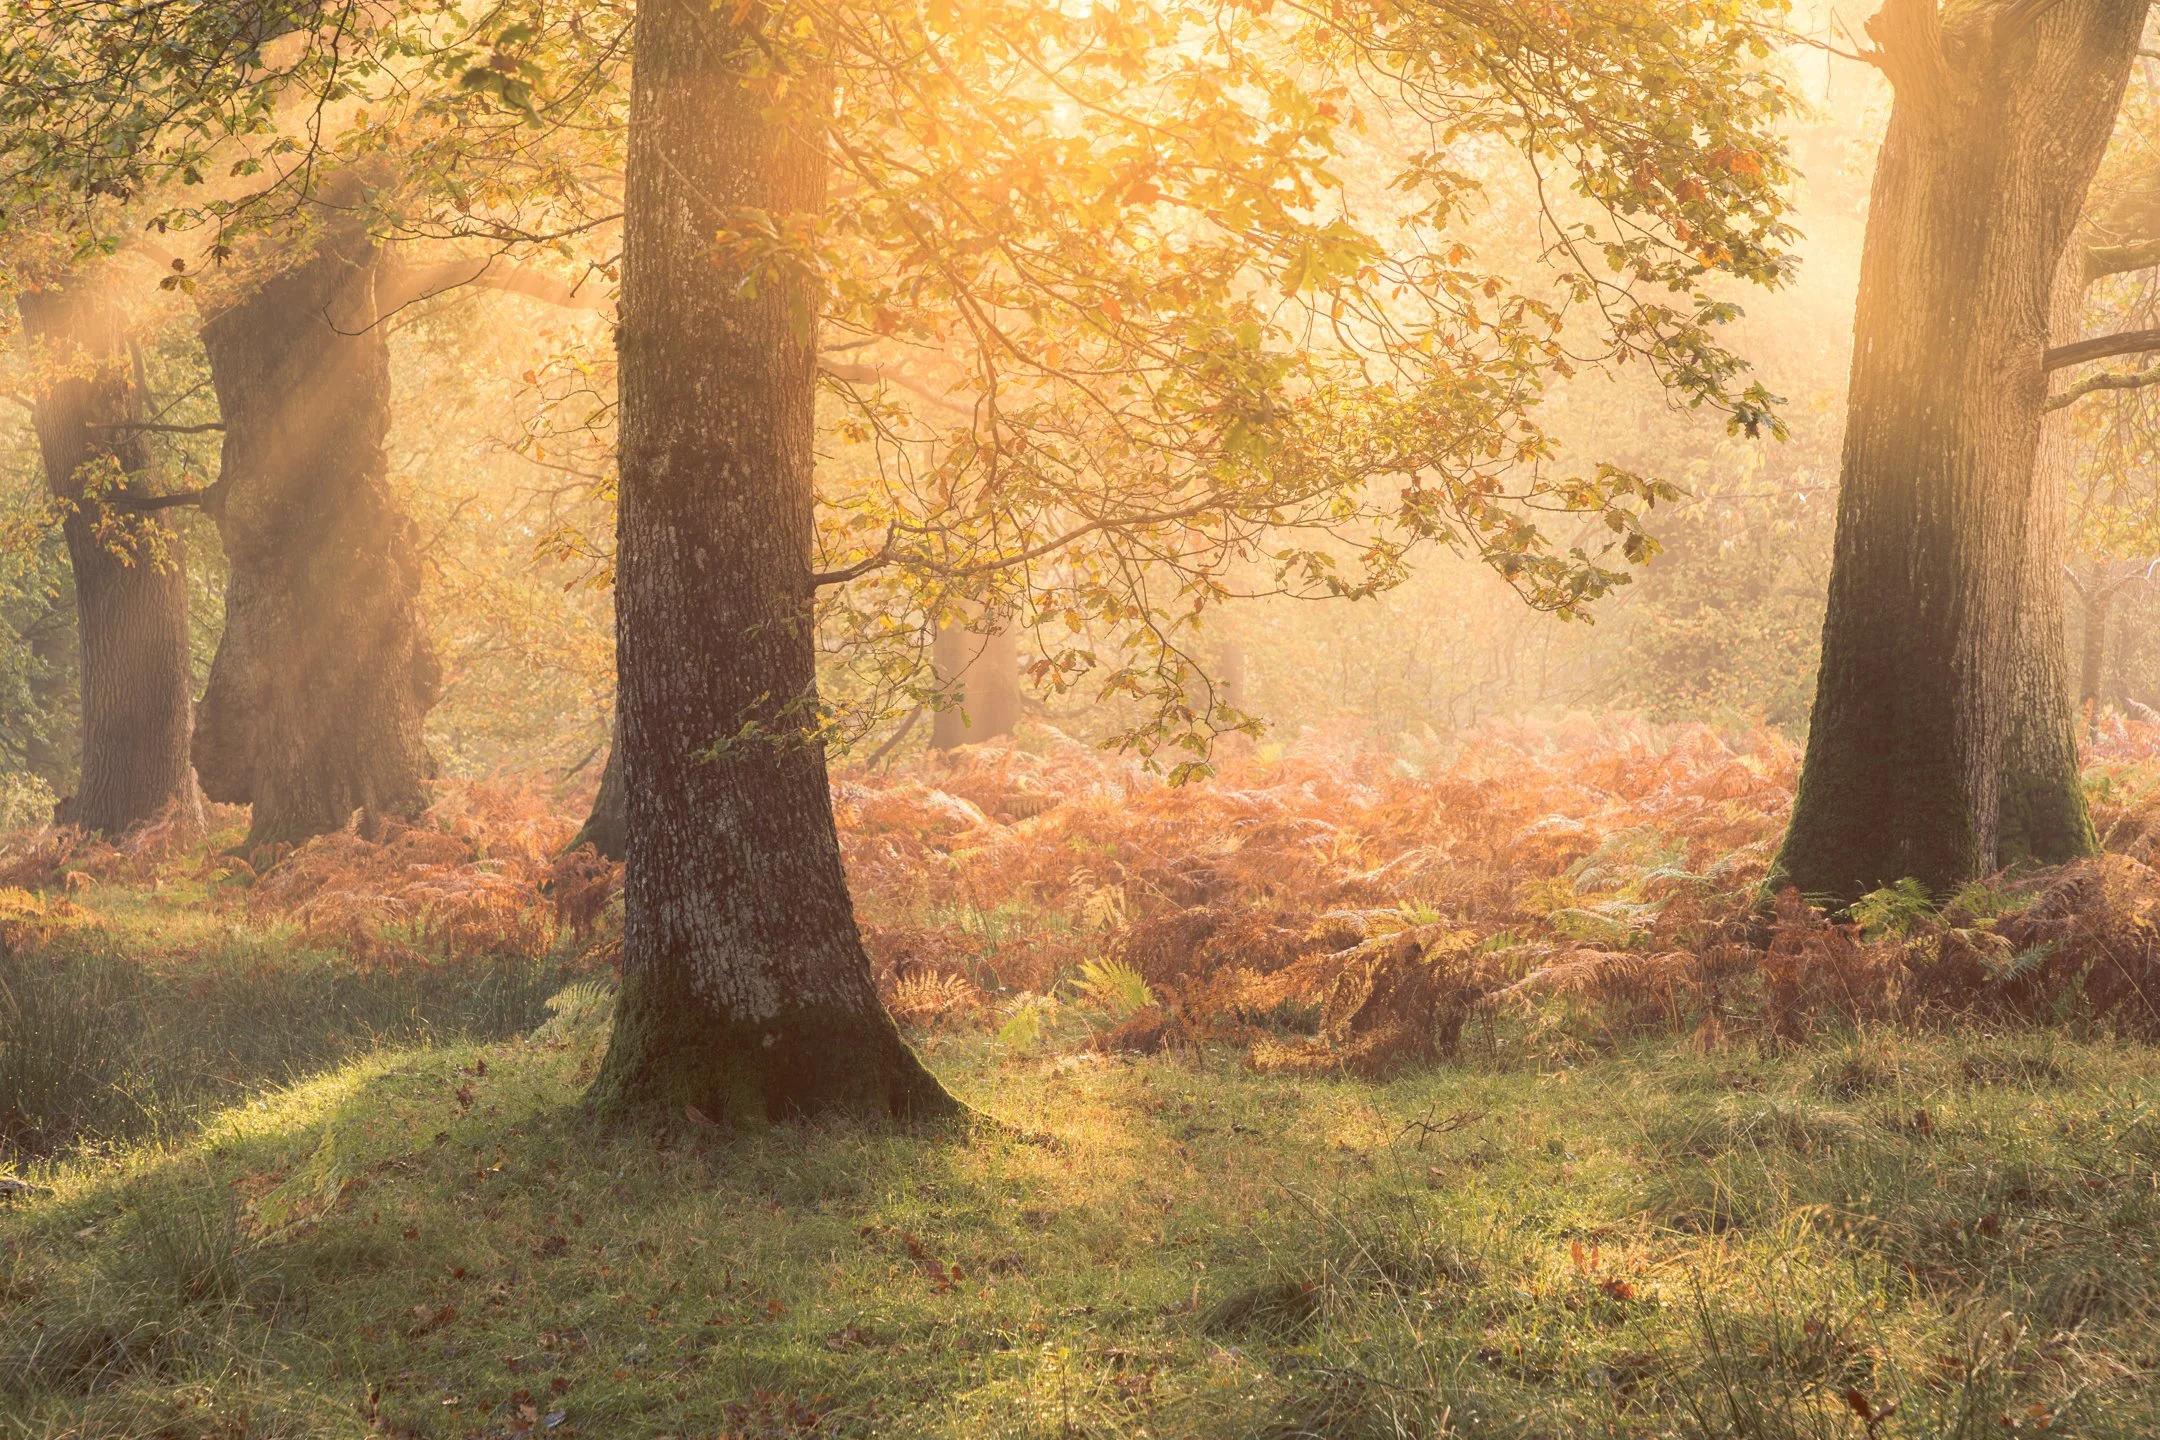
x=207, y=497
x=2127, y=342
x=885, y=375
x=2102, y=261
x=152, y=427
x=407, y=285
x=820, y=578
x=2094, y=384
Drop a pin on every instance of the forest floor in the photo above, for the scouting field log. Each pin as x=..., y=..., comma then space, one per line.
x=1398, y=1090
x=1877, y=1235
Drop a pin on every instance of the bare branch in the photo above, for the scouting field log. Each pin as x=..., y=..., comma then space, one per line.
x=410, y=285
x=1909, y=40
x=2094, y=384
x=152, y=427
x=2102, y=261
x=2127, y=342
x=882, y=375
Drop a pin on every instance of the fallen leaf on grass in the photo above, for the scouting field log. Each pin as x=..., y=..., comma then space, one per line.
x=429, y=1318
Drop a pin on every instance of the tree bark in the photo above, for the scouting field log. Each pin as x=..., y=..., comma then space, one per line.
x=2098, y=604
x=2043, y=816
x=131, y=591
x=746, y=990
x=981, y=672
x=605, y=828
x=1938, y=746
x=320, y=688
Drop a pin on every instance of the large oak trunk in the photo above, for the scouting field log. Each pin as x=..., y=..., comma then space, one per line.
x=1942, y=740
x=131, y=589
x=746, y=991
x=320, y=687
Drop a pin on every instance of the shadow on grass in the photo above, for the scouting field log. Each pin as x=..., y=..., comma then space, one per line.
x=427, y=1241
x=98, y=1047
x=440, y=1243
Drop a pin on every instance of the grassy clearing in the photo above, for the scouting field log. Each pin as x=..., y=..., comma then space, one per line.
x=1882, y=1236
x=134, y=1020
x=165, y=980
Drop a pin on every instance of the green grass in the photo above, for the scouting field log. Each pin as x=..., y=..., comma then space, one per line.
x=435, y=1242
x=116, y=1032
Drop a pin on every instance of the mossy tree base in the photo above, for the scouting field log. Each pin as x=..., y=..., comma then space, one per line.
x=673, y=1054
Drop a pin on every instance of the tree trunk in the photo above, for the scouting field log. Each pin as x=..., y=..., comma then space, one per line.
x=1937, y=747
x=604, y=828
x=982, y=673
x=2099, y=602
x=746, y=991
x=2120, y=665
x=2043, y=816
x=1232, y=692
x=320, y=688
x=131, y=591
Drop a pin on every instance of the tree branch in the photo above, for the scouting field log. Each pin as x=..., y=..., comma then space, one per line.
x=408, y=285
x=897, y=736
x=841, y=576
x=1909, y=49
x=2127, y=342
x=155, y=428
x=207, y=497
x=2093, y=384
x=880, y=375
x=2102, y=261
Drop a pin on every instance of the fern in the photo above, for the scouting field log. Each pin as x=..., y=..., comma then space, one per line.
x=586, y=1008
x=1024, y=1029
x=2020, y=964
x=1893, y=912
x=1113, y=987
x=1104, y=909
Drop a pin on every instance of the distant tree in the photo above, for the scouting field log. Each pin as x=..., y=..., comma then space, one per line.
x=978, y=674
x=605, y=828
x=1942, y=742
x=2113, y=441
x=113, y=121
x=318, y=697
x=323, y=679
x=130, y=571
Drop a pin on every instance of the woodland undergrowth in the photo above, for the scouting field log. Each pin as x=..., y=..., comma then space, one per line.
x=1333, y=904
x=1365, y=907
